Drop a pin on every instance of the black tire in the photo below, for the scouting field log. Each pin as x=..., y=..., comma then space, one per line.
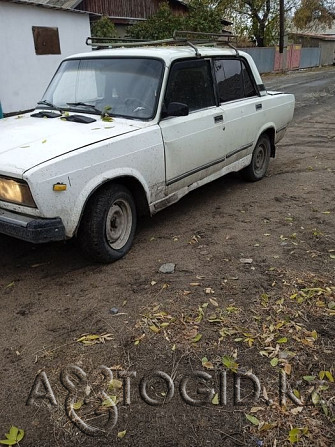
x=108, y=225
x=260, y=160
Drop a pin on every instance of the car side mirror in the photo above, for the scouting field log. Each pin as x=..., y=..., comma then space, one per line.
x=175, y=109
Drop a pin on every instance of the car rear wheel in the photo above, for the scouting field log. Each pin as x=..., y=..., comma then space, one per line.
x=108, y=226
x=260, y=160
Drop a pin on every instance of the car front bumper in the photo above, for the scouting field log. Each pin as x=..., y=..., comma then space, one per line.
x=35, y=230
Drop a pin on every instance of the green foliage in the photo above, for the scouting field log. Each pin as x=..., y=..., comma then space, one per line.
x=295, y=434
x=314, y=14
x=103, y=27
x=202, y=17
x=159, y=26
x=13, y=437
x=258, y=19
x=252, y=19
x=230, y=363
x=252, y=419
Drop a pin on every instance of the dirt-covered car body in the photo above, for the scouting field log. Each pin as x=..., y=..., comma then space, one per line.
x=121, y=132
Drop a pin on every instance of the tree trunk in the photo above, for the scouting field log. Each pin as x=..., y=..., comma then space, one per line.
x=258, y=30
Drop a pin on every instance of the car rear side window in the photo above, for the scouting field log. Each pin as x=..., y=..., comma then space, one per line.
x=191, y=83
x=249, y=88
x=233, y=80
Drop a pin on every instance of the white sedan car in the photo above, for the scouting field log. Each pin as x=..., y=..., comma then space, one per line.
x=129, y=131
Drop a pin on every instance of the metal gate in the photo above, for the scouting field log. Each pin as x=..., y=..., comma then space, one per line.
x=293, y=55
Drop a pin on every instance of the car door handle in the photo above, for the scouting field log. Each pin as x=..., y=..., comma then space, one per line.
x=218, y=119
x=259, y=106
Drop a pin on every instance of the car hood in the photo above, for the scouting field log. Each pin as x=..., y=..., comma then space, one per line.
x=26, y=142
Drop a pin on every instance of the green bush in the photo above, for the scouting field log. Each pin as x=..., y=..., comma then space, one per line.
x=201, y=17
x=103, y=27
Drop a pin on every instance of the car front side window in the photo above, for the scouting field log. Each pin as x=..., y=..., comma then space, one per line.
x=191, y=83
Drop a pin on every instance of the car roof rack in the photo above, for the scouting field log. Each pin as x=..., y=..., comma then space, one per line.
x=190, y=38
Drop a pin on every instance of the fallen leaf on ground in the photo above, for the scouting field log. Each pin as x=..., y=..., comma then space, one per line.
x=14, y=436
x=197, y=338
x=206, y=363
x=252, y=419
x=93, y=339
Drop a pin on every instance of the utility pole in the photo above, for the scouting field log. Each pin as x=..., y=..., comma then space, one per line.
x=281, y=26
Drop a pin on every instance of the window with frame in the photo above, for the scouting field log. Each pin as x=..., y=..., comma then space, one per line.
x=249, y=87
x=233, y=80
x=191, y=83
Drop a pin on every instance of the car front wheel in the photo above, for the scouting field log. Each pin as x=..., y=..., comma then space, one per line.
x=260, y=160
x=108, y=226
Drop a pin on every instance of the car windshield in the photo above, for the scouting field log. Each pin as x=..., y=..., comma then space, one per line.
x=127, y=87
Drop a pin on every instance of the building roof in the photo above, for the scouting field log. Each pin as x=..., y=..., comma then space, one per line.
x=330, y=37
x=65, y=5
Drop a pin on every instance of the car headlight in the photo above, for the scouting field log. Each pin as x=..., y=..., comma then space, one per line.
x=16, y=191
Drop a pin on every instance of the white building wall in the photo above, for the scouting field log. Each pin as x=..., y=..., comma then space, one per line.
x=24, y=75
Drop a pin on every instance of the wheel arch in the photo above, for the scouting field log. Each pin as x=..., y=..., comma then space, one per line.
x=135, y=187
x=270, y=132
x=138, y=192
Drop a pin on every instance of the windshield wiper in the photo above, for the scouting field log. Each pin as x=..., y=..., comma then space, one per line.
x=83, y=104
x=48, y=103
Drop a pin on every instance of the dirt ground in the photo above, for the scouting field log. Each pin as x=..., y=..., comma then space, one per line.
x=252, y=292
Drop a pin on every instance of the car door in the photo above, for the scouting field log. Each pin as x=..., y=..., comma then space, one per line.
x=194, y=147
x=241, y=105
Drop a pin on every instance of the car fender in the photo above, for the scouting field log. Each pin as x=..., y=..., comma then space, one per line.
x=93, y=185
x=270, y=126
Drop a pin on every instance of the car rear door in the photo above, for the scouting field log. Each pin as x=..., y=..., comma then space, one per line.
x=241, y=106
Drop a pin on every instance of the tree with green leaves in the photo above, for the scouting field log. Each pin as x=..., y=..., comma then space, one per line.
x=259, y=18
x=253, y=19
x=203, y=16
x=159, y=26
x=103, y=27
x=313, y=14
